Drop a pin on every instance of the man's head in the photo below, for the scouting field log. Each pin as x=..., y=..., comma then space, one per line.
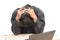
x=26, y=19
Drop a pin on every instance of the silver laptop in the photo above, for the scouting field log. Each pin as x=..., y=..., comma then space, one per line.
x=42, y=36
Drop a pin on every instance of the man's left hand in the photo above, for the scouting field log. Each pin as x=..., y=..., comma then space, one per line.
x=32, y=14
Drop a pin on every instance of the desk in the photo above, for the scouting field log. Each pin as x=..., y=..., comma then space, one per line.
x=20, y=37
x=15, y=37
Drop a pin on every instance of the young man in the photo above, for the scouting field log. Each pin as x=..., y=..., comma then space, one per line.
x=35, y=13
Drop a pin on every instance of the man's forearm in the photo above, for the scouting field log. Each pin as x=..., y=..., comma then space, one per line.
x=17, y=19
x=35, y=19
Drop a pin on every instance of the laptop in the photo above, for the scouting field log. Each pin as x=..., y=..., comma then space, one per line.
x=42, y=36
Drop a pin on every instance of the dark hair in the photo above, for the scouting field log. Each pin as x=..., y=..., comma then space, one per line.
x=26, y=6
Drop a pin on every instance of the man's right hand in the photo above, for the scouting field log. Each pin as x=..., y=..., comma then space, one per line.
x=19, y=13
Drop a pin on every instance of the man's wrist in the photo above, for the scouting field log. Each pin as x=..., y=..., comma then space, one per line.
x=17, y=19
x=35, y=19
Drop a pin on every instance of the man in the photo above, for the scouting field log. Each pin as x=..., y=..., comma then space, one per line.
x=35, y=13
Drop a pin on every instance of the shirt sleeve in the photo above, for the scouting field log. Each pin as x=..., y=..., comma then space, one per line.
x=15, y=29
x=13, y=20
x=40, y=23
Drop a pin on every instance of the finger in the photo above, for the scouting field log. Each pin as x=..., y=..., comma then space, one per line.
x=29, y=8
x=18, y=11
x=27, y=11
x=22, y=8
x=23, y=11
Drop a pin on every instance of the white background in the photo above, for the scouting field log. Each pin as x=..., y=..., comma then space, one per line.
x=51, y=9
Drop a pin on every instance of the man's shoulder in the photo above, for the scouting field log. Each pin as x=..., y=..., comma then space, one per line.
x=38, y=11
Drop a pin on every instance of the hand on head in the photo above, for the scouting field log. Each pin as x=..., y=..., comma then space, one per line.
x=29, y=10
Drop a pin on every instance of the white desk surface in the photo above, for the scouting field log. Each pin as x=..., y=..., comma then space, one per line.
x=19, y=37
x=15, y=37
